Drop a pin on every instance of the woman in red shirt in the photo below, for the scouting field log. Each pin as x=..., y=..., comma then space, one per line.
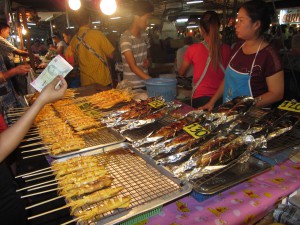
x=209, y=58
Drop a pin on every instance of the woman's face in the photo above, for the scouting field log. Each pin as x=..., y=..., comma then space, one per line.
x=67, y=38
x=244, y=28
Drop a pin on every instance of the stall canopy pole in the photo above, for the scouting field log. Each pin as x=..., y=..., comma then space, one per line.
x=67, y=16
x=24, y=19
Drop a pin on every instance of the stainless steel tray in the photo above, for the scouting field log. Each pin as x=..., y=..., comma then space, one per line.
x=105, y=137
x=148, y=184
x=236, y=174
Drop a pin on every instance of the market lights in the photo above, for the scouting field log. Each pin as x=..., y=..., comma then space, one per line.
x=108, y=7
x=74, y=4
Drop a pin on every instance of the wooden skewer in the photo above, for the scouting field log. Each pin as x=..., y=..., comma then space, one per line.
x=34, y=150
x=43, y=186
x=35, y=185
x=27, y=157
x=70, y=221
x=31, y=139
x=44, y=202
x=38, y=193
x=30, y=145
x=36, y=174
x=36, y=171
x=45, y=213
x=38, y=178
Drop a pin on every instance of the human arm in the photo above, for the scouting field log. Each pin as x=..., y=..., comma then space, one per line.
x=183, y=68
x=21, y=52
x=133, y=66
x=20, y=70
x=58, y=50
x=10, y=138
x=275, y=91
x=219, y=93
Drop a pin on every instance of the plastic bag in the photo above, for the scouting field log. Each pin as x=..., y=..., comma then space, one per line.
x=30, y=77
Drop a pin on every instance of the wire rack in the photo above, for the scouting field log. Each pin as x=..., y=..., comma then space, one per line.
x=143, y=181
x=140, y=133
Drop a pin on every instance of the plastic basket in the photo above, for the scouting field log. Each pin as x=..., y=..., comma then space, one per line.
x=165, y=87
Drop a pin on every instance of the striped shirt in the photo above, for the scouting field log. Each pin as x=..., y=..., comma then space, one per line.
x=138, y=47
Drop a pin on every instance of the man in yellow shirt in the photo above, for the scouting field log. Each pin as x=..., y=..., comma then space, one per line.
x=92, y=49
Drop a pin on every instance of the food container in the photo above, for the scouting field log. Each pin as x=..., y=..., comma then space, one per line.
x=165, y=87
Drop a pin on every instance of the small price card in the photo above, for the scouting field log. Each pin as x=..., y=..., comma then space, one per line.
x=57, y=66
x=156, y=104
x=290, y=106
x=196, y=130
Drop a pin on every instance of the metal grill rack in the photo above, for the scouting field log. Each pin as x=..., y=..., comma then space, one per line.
x=148, y=185
x=139, y=133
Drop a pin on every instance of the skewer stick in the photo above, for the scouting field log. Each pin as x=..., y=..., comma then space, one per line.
x=30, y=145
x=44, y=202
x=71, y=221
x=38, y=193
x=27, y=157
x=36, y=174
x=43, y=186
x=35, y=185
x=38, y=178
x=34, y=150
x=36, y=171
x=45, y=213
x=31, y=139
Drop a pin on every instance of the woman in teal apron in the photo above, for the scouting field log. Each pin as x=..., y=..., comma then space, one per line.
x=255, y=68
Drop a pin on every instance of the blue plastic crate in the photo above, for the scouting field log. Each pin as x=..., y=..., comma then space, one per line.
x=166, y=87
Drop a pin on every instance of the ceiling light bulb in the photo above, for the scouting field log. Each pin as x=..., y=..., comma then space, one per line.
x=74, y=4
x=108, y=7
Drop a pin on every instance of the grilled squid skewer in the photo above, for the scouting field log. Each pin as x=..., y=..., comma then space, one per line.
x=94, y=197
x=105, y=206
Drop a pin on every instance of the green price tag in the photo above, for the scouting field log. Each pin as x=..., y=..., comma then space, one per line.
x=156, y=104
x=196, y=130
x=290, y=106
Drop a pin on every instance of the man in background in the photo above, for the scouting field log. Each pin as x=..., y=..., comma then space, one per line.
x=134, y=45
x=92, y=49
x=179, y=56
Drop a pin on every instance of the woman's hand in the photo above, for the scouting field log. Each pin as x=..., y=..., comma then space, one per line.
x=208, y=106
x=50, y=93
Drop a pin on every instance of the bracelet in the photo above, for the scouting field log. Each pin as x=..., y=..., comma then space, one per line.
x=2, y=78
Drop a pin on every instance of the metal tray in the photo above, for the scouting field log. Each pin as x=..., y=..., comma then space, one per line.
x=148, y=184
x=105, y=137
x=239, y=172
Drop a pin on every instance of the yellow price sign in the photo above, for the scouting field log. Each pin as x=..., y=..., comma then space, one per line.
x=196, y=130
x=290, y=106
x=157, y=104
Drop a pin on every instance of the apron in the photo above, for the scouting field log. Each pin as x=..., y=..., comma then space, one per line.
x=237, y=83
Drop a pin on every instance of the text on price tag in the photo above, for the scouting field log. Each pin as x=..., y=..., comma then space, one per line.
x=157, y=104
x=290, y=106
x=196, y=130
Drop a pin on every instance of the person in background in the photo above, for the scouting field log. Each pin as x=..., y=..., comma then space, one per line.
x=73, y=78
x=12, y=208
x=92, y=49
x=38, y=48
x=60, y=46
x=255, y=68
x=209, y=58
x=5, y=46
x=134, y=45
x=180, y=53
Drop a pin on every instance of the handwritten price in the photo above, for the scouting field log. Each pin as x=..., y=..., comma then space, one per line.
x=290, y=106
x=196, y=130
x=157, y=104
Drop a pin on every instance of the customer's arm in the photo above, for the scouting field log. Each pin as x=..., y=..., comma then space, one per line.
x=133, y=66
x=219, y=93
x=275, y=90
x=11, y=137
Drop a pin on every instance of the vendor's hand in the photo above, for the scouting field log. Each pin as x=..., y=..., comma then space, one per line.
x=50, y=94
x=208, y=106
x=22, y=69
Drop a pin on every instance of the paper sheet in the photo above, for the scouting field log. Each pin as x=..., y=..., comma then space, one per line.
x=57, y=66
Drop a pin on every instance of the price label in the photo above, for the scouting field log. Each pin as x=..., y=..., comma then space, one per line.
x=157, y=104
x=290, y=106
x=196, y=130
